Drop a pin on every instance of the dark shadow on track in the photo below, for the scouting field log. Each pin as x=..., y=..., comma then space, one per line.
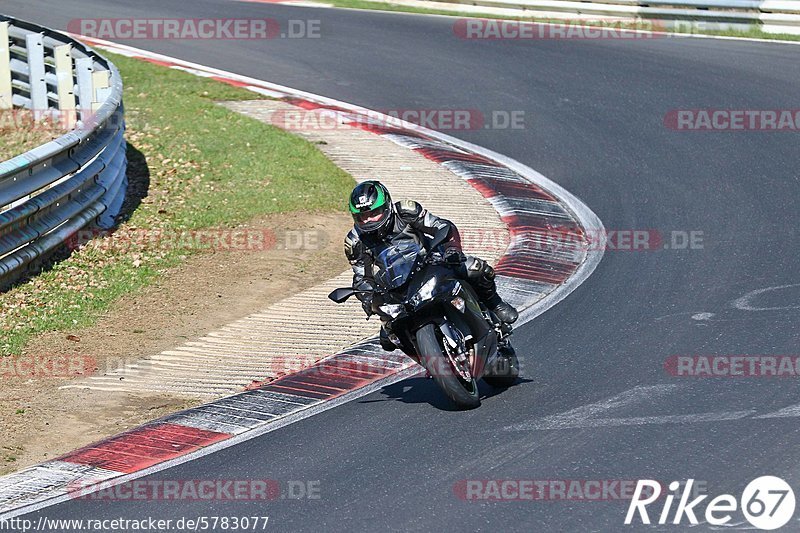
x=424, y=390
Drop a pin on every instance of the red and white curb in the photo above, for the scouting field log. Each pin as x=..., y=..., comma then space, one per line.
x=526, y=201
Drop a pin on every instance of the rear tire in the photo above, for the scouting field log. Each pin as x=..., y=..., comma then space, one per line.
x=464, y=395
x=506, y=369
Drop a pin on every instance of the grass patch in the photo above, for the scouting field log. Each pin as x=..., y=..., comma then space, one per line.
x=192, y=165
x=20, y=133
x=753, y=33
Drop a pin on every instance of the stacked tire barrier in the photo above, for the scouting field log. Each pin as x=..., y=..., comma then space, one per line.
x=771, y=16
x=76, y=180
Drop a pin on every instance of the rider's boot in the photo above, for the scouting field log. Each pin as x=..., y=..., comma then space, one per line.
x=503, y=310
x=385, y=339
x=481, y=276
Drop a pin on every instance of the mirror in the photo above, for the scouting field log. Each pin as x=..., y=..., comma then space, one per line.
x=342, y=294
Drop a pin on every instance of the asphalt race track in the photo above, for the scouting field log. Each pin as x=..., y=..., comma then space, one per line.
x=594, y=122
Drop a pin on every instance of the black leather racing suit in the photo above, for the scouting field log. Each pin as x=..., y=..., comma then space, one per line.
x=413, y=222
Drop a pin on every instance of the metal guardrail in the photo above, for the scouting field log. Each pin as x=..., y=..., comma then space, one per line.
x=771, y=16
x=76, y=180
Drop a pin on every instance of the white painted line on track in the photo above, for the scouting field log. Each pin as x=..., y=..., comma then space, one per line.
x=587, y=416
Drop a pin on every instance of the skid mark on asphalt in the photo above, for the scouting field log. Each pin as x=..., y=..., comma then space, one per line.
x=786, y=412
x=745, y=303
x=587, y=416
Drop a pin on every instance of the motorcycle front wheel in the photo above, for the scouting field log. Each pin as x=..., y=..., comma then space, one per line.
x=433, y=357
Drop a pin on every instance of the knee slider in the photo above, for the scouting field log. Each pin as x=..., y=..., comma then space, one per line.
x=477, y=267
x=488, y=271
x=474, y=267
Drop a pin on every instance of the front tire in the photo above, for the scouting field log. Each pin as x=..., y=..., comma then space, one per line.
x=432, y=357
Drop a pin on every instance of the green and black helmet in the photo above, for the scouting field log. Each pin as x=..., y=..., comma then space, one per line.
x=372, y=208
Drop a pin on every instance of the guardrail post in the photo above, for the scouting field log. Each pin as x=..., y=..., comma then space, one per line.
x=66, y=85
x=35, y=45
x=84, y=68
x=101, y=82
x=5, y=67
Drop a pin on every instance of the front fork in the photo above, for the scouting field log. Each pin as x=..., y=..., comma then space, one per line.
x=455, y=346
x=465, y=360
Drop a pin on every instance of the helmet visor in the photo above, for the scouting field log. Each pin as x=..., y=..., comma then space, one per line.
x=372, y=219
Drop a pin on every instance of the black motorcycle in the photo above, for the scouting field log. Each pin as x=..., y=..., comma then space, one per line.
x=438, y=320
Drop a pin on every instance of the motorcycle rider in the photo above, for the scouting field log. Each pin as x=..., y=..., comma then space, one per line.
x=378, y=220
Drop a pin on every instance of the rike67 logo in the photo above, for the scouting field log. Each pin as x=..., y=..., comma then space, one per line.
x=767, y=503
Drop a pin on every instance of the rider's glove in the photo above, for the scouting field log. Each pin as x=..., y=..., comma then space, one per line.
x=453, y=255
x=366, y=304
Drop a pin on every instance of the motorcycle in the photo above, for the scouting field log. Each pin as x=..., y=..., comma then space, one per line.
x=438, y=320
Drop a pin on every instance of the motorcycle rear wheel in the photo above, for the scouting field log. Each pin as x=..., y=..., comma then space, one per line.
x=506, y=369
